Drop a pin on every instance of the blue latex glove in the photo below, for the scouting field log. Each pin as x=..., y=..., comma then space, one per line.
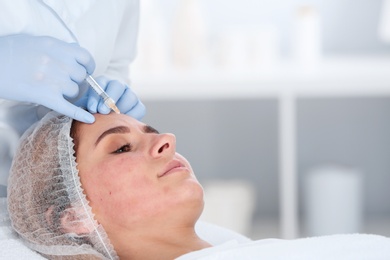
x=126, y=100
x=44, y=70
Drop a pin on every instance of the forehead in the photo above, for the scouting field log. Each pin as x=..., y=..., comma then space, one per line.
x=113, y=117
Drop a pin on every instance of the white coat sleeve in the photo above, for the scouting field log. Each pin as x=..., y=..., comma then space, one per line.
x=125, y=44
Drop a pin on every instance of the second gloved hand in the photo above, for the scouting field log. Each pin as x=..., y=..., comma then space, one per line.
x=45, y=71
x=126, y=100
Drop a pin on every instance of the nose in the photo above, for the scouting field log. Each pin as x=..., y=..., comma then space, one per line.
x=164, y=145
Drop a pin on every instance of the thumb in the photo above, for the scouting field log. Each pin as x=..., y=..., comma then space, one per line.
x=68, y=109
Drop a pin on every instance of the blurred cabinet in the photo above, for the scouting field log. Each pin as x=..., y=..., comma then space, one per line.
x=288, y=84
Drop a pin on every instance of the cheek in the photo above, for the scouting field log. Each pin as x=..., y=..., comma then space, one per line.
x=118, y=186
x=99, y=180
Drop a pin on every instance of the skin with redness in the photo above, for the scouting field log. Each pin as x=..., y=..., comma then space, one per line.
x=140, y=189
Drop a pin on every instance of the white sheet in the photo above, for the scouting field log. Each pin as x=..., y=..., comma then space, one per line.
x=217, y=235
x=10, y=245
x=335, y=247
x=14, y=249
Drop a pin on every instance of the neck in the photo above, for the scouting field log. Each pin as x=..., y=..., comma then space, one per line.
x=163, y=244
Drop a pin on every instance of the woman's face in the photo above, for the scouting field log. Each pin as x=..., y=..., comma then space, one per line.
x=132, y=175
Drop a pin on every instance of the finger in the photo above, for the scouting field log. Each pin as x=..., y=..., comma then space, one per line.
x=64, y=50
x=138, y=111
x=80, y=114
x=69, y=89
x=65, y=66
x=66, y=108
x=57, y=77
x=58, y=83
x=103, y=81
x=101, y=107
x=83, y=57
x=93, y=101
x=77, y=72
x=114, y=90
x=127, y=101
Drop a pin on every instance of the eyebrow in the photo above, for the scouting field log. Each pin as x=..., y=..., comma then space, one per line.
x=124, y=130
x=150, y=130
x=114, y=130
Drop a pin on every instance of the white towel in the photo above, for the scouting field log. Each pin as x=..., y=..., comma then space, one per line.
x=11, y=246
x=217, y=235
x=14, y=249
x=335, y=247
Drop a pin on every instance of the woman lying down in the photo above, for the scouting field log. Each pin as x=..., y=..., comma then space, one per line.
x=117, y=189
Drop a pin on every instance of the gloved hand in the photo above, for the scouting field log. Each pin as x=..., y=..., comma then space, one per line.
x=126, y=100
x=44, y=70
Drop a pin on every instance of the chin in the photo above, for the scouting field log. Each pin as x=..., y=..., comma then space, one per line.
x=191, y=194
x=195, y=189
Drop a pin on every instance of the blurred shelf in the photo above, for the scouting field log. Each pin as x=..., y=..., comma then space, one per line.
x=336, y=76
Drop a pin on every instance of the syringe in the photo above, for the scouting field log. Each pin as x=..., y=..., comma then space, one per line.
x=109, y=102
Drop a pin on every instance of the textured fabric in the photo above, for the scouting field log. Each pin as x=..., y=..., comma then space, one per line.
x=217, y=235
x=13, y=248
x=333, y=247
x=44, y=189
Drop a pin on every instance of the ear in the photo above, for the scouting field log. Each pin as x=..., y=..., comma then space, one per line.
x=70, y=223
x=49, y=215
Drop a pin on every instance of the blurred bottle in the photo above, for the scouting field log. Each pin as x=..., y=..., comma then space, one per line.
x=333, y=201
x=264, y=48
x=230, y=204
x=152, y=53
x=232, y=50
x=248, y=49
x=384, y=22
x=307, y=43
x=189, y=35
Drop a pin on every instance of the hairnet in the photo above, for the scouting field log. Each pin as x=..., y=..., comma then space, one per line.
x=44, y=187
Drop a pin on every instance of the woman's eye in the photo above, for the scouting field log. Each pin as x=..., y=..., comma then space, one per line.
x=124, y=149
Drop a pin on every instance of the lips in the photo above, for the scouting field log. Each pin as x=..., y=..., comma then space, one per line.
x=171, y=167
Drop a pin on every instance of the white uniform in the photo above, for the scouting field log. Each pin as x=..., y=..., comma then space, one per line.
x=107, y=29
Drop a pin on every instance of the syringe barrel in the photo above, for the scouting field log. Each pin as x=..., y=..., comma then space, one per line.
x=95, y=86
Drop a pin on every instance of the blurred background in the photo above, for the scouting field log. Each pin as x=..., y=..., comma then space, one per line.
x=281, y=106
